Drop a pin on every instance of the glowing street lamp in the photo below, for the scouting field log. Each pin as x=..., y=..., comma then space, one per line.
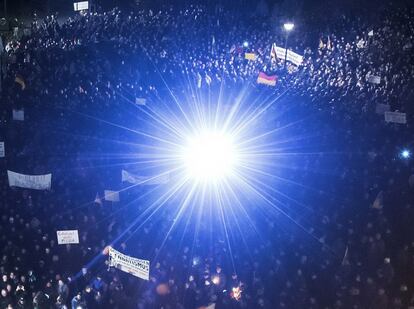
x=288, y=28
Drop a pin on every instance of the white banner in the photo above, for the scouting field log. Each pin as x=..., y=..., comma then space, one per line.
x=395, y=117
x=36, y=182
x=128, y=264
x=382, y=108
x=2, y=150
x=79, y=6
x=373, y=79
x=67, y=237
x=18, y=114
x=280, y=53
x=111, y=196
x=295, y=58
x=140, y=101
x=145, y=180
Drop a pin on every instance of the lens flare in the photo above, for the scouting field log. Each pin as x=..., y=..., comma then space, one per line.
x=210, y=156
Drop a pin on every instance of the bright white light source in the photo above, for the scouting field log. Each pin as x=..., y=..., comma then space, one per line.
x=288, y=26
x=245, y=44
x=405, y=154
x=209, y=156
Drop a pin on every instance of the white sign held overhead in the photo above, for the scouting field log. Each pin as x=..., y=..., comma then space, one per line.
x=18, y=114
x=2, y=150
x=111, y=196
x=373, y=79
x=36, y=182
x=136, y=267
x=140, y=101
x=295, y=58
x=80, y=6
x=67, y=237
x=395, y=117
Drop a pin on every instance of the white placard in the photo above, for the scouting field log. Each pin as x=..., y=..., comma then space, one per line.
x=18, y=114
x=111, y=196
x=145, y=180
x=36, y=182
x=128, y=264
x=373, y=79
x=395, y=117
x=140, y=101
x=80, y=6
x=2, y=150
x=67, y=237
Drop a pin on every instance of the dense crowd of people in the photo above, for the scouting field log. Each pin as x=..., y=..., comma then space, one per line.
x=341, y=234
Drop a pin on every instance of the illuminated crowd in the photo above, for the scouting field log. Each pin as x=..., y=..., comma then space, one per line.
x=344, y=253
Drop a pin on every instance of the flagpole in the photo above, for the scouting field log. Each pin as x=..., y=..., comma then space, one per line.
x=288, y=28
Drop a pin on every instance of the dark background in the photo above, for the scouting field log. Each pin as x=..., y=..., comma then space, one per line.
x=26, y=8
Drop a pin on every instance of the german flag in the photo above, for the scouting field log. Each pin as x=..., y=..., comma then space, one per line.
x=266, y=79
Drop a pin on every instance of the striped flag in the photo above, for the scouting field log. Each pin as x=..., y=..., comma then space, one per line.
x=266, y=79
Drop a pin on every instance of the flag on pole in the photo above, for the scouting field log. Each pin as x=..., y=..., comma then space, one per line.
x=321, y=45
x=379, y=201
x=98, y=199
x=273, y=53
x=265, y=79
x=111, y=196
x=329, y=44
x=20, y=80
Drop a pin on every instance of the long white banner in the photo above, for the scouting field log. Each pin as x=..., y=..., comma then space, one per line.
x=80, y=6
x=293, y=57
x=36, y=182
x=395, y=117
x=145, y=180
x=128, y=264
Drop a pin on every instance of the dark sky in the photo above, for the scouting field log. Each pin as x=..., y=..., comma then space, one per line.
x=27, y=7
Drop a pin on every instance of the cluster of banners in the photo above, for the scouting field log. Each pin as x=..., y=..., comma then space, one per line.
x=67, y=237
x=280, y=53
x=2, y=150
x=36, y=182
x=128, y=264
x=145, y=180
